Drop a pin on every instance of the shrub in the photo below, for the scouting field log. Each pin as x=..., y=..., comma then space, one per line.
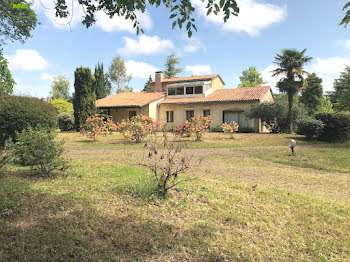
x=310, y=127
x=336, y=126
x=61, y=105
x=39, y=150
x=98, y=125
x=136, y=128
x=230, y=128
x=66, y=122
x=198, y=126
x=168, y=162
x=216, y=129
x=19, y=112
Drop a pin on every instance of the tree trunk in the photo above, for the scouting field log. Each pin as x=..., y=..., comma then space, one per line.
x=290, y=112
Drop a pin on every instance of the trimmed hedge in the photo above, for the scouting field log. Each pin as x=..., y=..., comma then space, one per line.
x=336, y=126
x=310, y=127
x=19, y=112
x=66, y=122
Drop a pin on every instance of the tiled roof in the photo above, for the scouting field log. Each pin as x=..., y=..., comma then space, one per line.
x=129, y=99
x=224, y=95
x=191, y=78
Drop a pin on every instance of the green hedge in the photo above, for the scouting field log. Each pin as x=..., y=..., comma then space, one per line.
x=19, y=112
x=336, y=126
x=310, y=127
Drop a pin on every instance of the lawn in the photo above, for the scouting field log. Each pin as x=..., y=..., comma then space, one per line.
x=250, y=200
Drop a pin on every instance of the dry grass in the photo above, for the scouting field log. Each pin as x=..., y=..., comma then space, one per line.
x=255, y=202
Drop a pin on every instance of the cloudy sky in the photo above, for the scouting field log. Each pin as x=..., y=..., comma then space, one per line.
x=261, y=30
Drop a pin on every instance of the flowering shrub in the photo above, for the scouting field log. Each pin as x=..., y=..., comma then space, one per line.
x=198, y=125
x=97, y=125
x=230, y=128
x=136, y=128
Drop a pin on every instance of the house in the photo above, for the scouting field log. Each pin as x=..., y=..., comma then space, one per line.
x=172, y=101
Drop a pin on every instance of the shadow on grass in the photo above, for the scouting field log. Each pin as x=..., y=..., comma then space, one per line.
x=55, y=226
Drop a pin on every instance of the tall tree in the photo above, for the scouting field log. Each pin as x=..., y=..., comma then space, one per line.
x=60, y=87
x=119, y=77
x=181, y=10
x=85, y=95
x=290, y=67
x=312, y=95
x=251, y=77
x=102, y=87
x=15, y=25
x=170, y=66
x=340, y=97
x=147, y=86
x=6, y=80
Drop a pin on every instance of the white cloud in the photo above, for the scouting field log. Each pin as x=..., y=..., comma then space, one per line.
x=344, y=44
x=26, y=60
x=145, y=45
x=139, y=69
x=252, y=18
x=193, y=45
x=198, y=69
x=102, y=20
x=47, y=76
x=120, y=24
x=329, y=69
x=269, y=79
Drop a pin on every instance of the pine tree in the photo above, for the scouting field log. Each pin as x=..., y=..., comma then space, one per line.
x=85, y=95
x=170, y=66
x=147, y=86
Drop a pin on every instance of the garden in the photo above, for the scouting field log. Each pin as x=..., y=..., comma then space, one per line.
x=130, y=192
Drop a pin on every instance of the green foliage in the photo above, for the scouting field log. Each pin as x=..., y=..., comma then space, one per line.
x=84, y=96
x=336, y=126
x=6, y=80
x=66, y=122
x=310, y=127
x=119, y=77
x=312, y=95
x=251, y=77
x=5, y=157
x=216, y=129
x=16, y=24
x=181, y=11
x=103, y=88
x=19, y=112
x=275, y=115
x=170, y=66
x=341, y=96
x=325, y=106
x=60, y=88
x=147, y=86
x=61, y=105
x=39, y=150
x=290, y=66
x=346, y=19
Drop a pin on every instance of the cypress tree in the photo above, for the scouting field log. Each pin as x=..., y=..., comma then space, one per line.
x=85, y=95
x=101, y=86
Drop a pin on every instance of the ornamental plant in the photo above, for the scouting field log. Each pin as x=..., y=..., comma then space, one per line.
x=230, y=128
x=198, y=126
x=136, y=128
x=98, y=125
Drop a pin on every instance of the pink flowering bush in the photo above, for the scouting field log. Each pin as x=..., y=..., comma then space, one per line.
x=136, y=128
x=230, y=128
x=97, y=125
x=198, y=126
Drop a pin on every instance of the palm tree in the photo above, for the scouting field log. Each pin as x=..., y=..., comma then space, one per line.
x=290, y=66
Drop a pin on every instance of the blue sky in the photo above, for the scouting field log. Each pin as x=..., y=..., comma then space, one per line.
x=261, y=30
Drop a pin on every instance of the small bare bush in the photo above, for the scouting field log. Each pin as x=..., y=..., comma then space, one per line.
x=168, y=160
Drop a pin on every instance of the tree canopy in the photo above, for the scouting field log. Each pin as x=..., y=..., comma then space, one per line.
x=312, y=95
x=181, y=11
x=6, y=81
x=291, y=67
x=119, y=77
x=170, y=66
x=341, y=95
x=103, y=88
x=147, y=86
x=60, y=88
x=251, y=77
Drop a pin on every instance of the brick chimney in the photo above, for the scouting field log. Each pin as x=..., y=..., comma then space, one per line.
x=158, y=81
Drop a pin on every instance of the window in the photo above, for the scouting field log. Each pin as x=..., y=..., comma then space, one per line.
x=180, y=91
x=132, y=114
x=189, y=115
x=171, y=91
x=189, y=90
x=169, y=116
x=198, y=90
x=206, y=112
